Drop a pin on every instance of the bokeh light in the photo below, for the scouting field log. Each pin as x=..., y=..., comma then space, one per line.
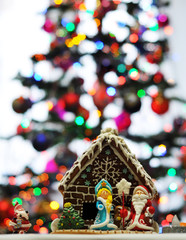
x=111, y=91
x=54, y=205
x=171, y=172
x=173, y=187
x=19, y=200
x=79, y=120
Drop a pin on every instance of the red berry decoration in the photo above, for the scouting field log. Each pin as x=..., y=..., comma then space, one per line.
x=101, y=98
x=160, y=104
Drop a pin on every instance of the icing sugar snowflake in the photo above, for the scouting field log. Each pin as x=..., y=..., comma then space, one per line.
x=88, y=169
x=107, y=152
x=123, y=186
x=87, y=183
x=83, y=175
x=130, y=177
x=105, y=168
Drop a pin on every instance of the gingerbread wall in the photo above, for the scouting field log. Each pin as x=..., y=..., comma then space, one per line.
x=106, y=165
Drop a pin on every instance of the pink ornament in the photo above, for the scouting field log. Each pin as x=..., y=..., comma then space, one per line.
x=51, y=167
x=49, y=26
x=123, y=121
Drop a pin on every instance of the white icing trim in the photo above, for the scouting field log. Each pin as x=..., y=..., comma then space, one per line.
x=109, y=135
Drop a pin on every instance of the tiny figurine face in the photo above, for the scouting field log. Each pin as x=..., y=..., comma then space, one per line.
x=104, y=194
x=139, y=192
x=22, y=215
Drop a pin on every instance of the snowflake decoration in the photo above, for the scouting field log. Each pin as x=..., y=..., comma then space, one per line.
x=125, y=170
x=107, y=152
x=83, y=175
x=88, y=169
x=123, y=186
x=87, y=183
x=105, y=168
x=130, y=177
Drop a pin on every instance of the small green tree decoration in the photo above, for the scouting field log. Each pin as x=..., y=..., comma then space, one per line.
x=70, y=218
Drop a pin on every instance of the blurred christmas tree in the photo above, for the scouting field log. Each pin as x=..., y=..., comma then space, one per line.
x=105, y=68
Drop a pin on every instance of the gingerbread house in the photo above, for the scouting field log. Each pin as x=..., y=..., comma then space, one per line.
x=110, y=158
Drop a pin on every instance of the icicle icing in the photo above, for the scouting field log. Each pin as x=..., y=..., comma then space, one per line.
x=107, y=136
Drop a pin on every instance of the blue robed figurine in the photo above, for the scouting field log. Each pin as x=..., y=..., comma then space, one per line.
x=103, y=221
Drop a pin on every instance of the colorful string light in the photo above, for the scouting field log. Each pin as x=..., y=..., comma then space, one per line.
x=111, y=91
x=79, y=120
x=171, y=172
x=54, y=205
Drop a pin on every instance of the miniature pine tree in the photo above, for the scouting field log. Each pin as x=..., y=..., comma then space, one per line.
x=70, y=219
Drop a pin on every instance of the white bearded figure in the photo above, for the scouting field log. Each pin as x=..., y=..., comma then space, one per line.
x=20, y=223
x=141, y=212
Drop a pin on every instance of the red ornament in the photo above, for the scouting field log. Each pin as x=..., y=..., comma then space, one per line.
x=71, y=101
x=83, y=112
x=21, y=130
x=160, y=104
x=158, y=77
x=101, y=98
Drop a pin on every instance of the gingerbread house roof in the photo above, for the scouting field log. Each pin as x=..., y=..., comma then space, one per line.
x=108, y=137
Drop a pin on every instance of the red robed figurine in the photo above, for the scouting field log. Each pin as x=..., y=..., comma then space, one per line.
x=141, y=212
x=20, y=223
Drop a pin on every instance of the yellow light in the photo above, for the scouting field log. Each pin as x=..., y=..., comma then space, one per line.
x=58, y=2
x=82, y=7
x=54, y=205
x=69, y=43
x=99, y=113
x=43, y=230
x=97, y=22
x=76, y=40
x=98, y=3
x=92, y=91
x=50, y=105
x=82, y=36
x=163, y=200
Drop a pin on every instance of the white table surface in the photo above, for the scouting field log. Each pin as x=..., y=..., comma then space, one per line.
x=169, y=236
